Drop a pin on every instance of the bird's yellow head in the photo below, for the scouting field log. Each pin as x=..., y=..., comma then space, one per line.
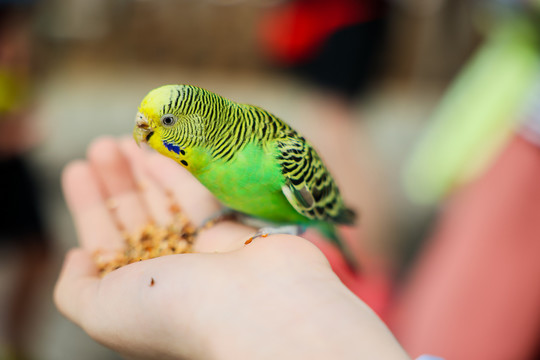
x=169, y=121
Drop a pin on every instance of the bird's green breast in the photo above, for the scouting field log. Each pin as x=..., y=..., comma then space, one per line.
x=250, y=183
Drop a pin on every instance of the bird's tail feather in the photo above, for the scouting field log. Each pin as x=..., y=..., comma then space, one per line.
x=329, y=231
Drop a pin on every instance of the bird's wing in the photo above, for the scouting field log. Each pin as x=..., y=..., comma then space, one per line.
x=309, y=187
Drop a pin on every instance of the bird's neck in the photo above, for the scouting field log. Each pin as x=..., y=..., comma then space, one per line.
x=228, y=132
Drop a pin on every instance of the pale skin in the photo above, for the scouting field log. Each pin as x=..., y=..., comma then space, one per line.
x=275, y=298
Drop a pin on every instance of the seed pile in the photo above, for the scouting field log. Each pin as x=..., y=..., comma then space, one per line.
x=151, y=241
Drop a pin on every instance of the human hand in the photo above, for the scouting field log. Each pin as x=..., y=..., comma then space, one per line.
x=274, y=298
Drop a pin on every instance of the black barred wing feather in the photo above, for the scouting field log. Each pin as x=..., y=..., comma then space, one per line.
x=309, y=187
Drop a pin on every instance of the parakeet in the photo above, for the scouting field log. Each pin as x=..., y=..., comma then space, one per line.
x=251, y=160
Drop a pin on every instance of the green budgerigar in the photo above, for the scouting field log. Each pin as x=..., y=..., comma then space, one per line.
x=252, y=161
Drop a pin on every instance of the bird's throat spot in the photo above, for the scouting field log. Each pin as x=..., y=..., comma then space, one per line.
x=174, y=148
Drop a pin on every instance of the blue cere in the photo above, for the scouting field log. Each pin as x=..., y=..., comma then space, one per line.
x=172, y=147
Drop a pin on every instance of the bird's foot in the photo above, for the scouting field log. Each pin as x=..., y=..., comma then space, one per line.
x=263, y=232
x=224, y=214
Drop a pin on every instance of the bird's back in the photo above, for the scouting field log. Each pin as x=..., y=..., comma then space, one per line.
x=299, y=172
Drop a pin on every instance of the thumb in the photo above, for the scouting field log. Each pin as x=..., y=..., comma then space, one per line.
x=77, y=280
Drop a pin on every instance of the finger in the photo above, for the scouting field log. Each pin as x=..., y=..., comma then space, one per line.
x=113, y=170
x=77, y=282
x=192, y=196
x=95, y=226
x=153, y=195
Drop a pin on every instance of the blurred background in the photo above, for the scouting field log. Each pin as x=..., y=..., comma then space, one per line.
x=409, y=102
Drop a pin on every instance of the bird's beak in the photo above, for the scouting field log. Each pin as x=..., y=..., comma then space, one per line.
x=142, y=130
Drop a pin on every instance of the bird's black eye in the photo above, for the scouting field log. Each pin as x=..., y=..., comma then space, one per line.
x=168, y=120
